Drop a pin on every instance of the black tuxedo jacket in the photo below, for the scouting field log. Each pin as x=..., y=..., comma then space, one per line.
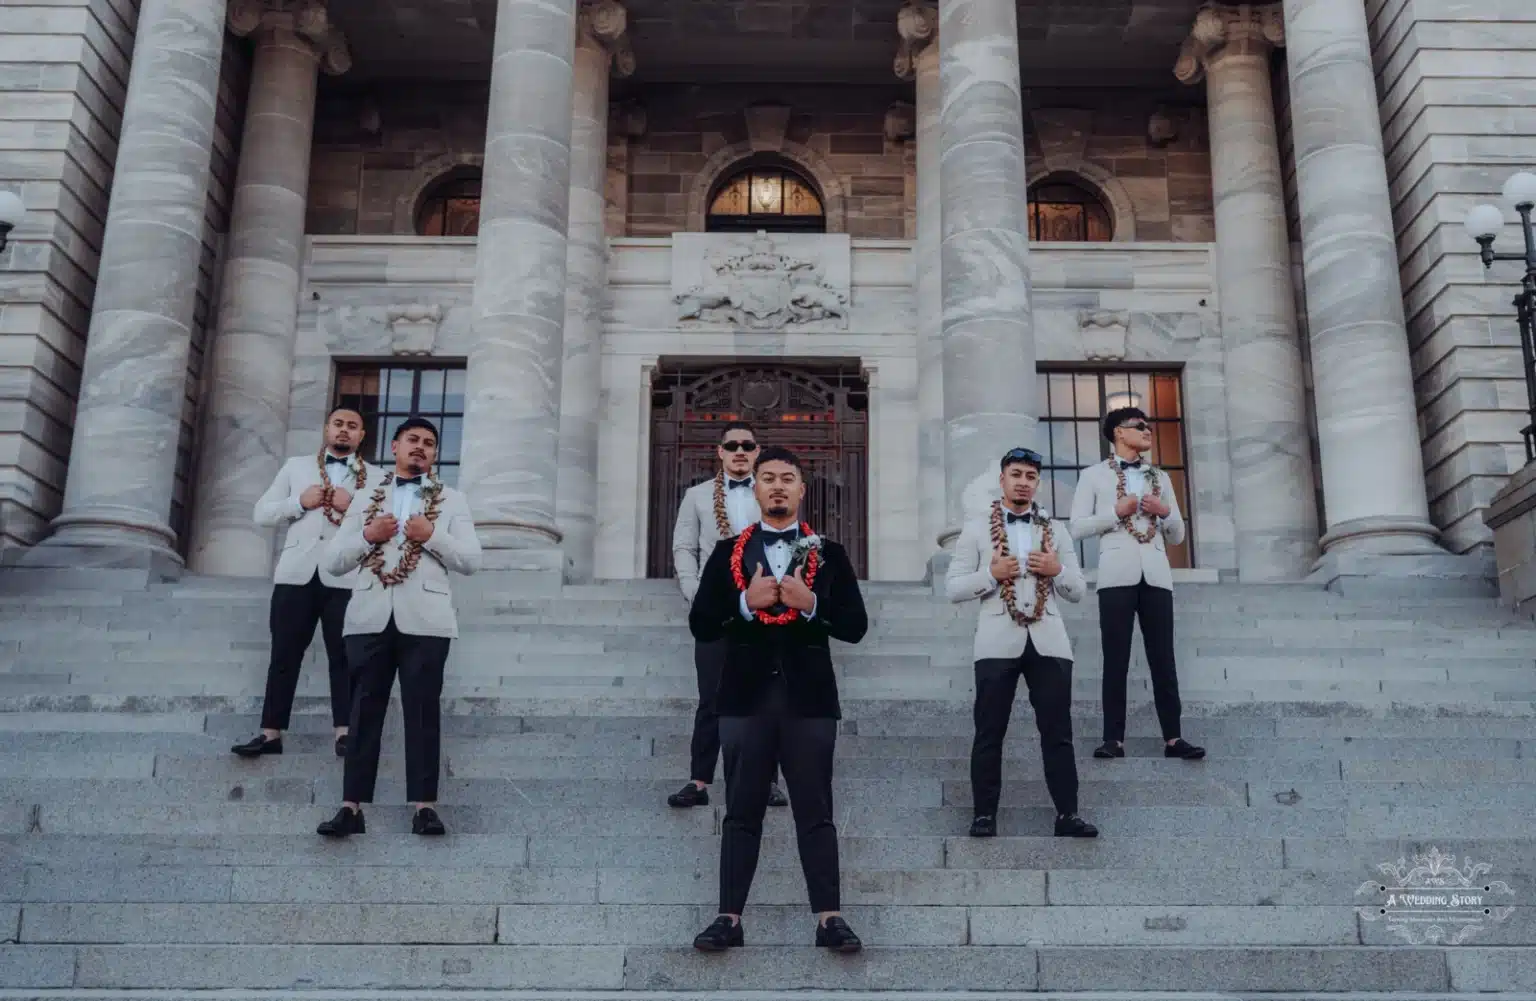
x=754, y=651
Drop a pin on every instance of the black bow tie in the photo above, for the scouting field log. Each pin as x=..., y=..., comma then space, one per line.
x=733, y=484
x=331, y=460
x=401, y=481
x=1126, y=464
x=769, y=536
x=1027, y=517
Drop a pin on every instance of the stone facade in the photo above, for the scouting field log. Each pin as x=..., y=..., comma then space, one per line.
x=1242, y=210
x=1458, y=106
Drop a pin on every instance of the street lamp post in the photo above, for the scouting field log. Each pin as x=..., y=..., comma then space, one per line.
x=1483, y=224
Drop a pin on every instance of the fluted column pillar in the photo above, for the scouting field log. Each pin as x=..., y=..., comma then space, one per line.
x=987, y=333
x=917, y=59
x=1368, y=432
x=245, y=427
x=122, y=462
x=512, y=405
x=602, y=47
x=1276, y=506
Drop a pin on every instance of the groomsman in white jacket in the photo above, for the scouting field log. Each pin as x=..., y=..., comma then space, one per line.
x=311, y=495
x=1017, y=562
x=1129, y=505
x=406, y=535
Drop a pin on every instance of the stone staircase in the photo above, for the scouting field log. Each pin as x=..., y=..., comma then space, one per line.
x=136, y=854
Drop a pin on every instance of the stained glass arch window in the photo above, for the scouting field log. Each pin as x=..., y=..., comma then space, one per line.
x=766, y=196
x=1061, y=210
x=451, y=205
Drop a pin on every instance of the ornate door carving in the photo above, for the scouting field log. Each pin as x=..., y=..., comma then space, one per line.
x=821, y=412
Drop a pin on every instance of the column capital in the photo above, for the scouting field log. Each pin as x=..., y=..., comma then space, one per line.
x=1229, y=29
x=605, y=24
x=303, y=20
x=917, y=24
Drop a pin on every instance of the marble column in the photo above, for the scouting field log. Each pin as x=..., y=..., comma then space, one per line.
x=987, y=334
x=917, y=59
x=601, y=47
x=1367, y=421
x=245, y=427
x=512, y=393
x=122, y=462
x=1274, y=496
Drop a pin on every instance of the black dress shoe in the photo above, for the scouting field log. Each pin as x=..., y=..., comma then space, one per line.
x=1182, y=748
x=689, y=795
x=259, y=745
x=837, y=936
x=347, y=821
x=1075, y=827
x=984, y=827
x=1109, y=749
x=722, y=934
x=776, y=796
x=341, y=746
x=428, y=823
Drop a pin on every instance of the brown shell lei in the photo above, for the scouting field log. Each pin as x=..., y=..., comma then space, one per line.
x=1010, y=587
x=327, y=498
x=1155, y=477
x=722, y=520
x=410, y=553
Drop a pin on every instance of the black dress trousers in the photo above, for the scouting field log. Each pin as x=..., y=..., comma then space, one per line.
x=1049, y=680
x=295, y=611
x=704, y=748
x=419, y=660
x=1119, y=610
x=755, y=746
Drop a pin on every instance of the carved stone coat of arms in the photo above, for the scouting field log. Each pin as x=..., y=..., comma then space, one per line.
x=762, y=282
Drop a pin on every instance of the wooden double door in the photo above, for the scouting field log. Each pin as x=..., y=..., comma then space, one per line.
x=820, y=411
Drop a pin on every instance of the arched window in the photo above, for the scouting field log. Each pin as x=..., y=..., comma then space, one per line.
x=1063, y=212
x=765, y=196
x=451, y=206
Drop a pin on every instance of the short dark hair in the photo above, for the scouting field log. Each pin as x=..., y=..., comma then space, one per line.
x=416, y=422
x=777, y=453
x=1022, y=457
x=737, y=426
x=339, y=408
x=1115, y=418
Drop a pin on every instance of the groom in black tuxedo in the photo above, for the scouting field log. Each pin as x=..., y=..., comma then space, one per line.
x=776, y=593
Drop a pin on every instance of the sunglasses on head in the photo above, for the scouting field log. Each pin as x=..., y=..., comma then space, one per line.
x=1137, y=425
x=739, y=446
x=1026, y=455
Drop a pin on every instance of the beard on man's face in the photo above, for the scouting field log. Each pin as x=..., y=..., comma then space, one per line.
x=341, y=447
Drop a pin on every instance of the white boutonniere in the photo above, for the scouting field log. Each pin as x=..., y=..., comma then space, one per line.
x=430, y=488
x=805, y=544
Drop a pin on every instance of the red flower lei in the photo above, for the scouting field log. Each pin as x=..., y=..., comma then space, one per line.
x=812, y=562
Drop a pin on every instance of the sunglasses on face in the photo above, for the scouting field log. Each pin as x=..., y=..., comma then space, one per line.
x=739, y=446
x=1137, y=426
x=1025, y=455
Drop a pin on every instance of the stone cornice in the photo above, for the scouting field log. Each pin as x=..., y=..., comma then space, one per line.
x=1229, y=29
x=605, y=24
x=303, y=20
x=917, y=25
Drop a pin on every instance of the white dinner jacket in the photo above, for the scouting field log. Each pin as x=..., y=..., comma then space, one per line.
x=695, y=533
x=308, y=531
x=998, y=636
x=423, y=604
x=1123, y=561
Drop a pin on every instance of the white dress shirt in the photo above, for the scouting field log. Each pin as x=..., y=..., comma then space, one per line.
x=779, y=554
x=407, y=500
x=1023, y=537
x=740, y=504
x=1135, y=478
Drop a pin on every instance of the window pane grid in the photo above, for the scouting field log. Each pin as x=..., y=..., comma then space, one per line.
x=1074, y=406
x=385, y=395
